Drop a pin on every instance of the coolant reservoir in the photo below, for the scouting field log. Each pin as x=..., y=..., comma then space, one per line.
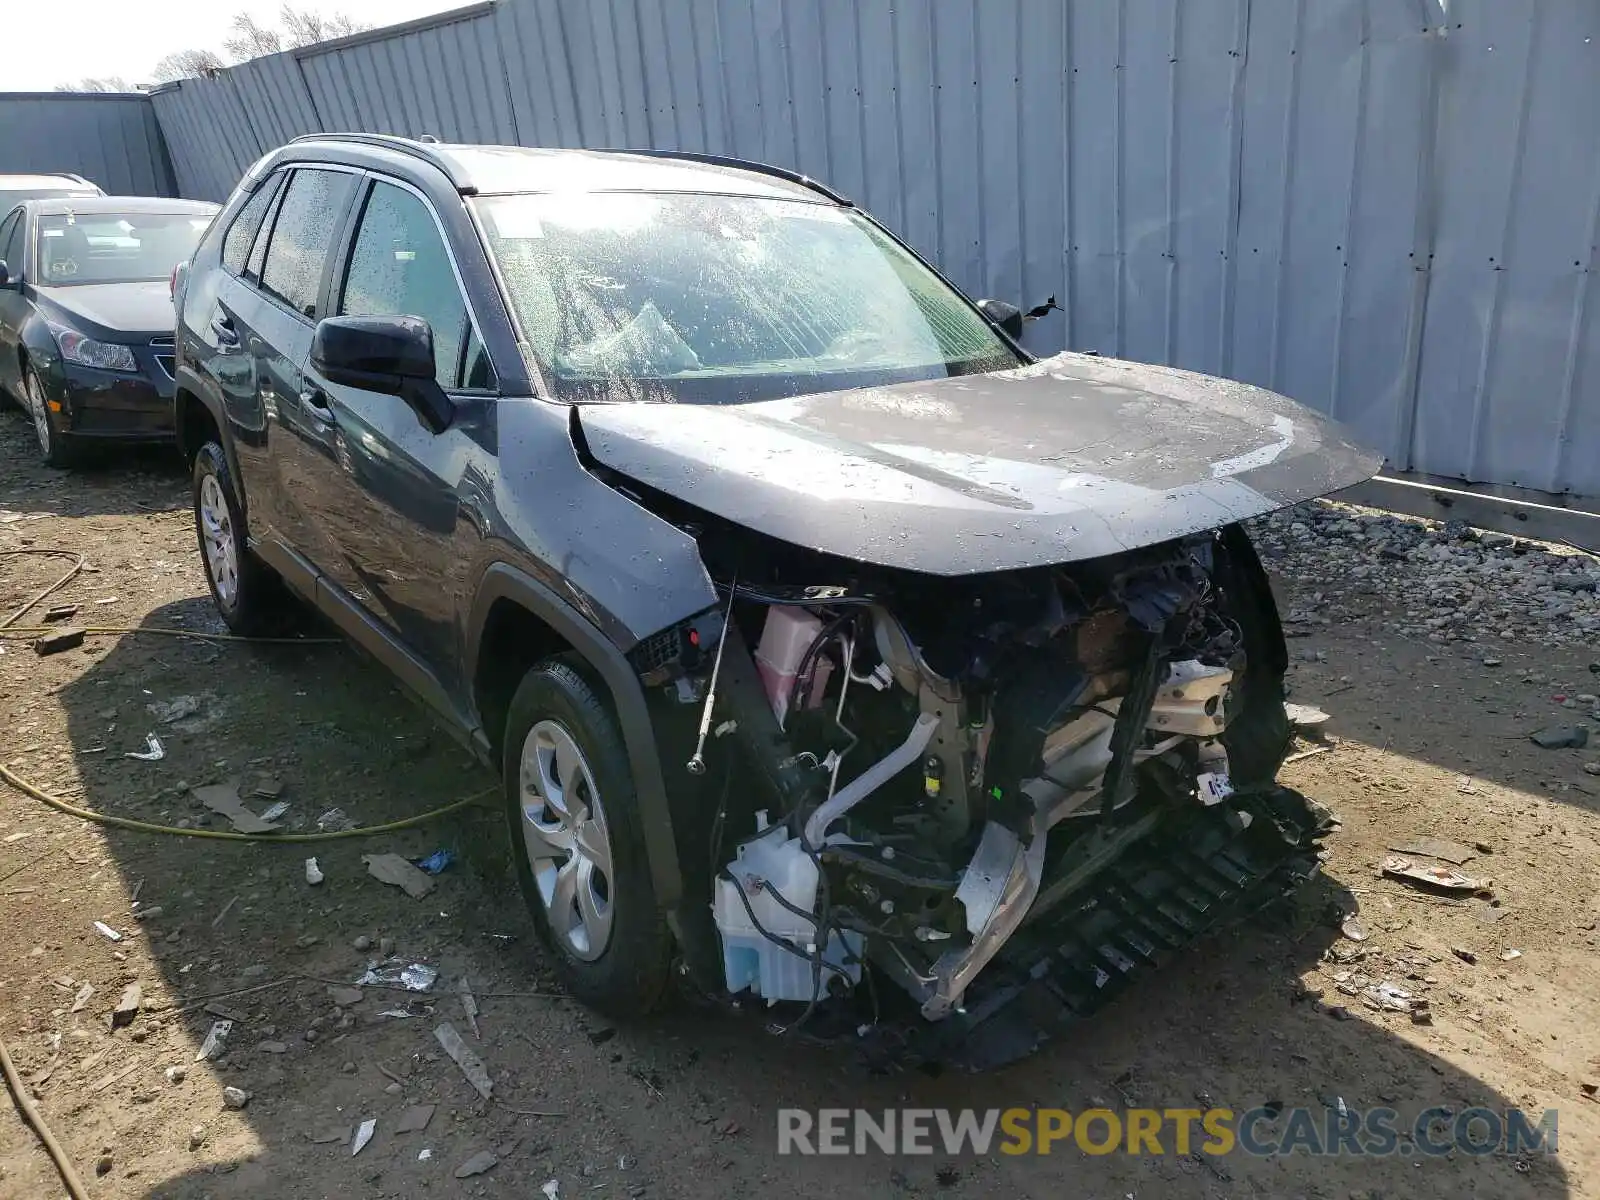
x=751, y=962
x=785, y=638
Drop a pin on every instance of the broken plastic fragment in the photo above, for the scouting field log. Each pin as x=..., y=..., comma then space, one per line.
x=106, y=931
x=471, y=1065
x=154, y=751
x=363, y=1135
x=416, y=977
x=216, y=1041
x=313, y=872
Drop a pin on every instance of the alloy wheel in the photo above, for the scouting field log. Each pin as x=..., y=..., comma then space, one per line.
x=564, y=833
x=216, y=528
x=41, y=416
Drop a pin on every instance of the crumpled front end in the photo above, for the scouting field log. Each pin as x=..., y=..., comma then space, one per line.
x=957, y=813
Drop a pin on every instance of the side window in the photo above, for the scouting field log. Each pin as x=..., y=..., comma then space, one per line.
x=258, y=252
x=11, y=242
x=246, y=224
x=307, y=221
x=399, y=267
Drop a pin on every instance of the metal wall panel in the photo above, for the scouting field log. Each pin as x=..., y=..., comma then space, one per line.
x=1388, y=209
x=113, y=140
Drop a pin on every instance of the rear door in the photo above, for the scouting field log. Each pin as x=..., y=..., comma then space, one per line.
x=387, y=488
x=274, y=327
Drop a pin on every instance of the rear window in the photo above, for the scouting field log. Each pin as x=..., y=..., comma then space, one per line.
x=313, y=203
x=242, y=233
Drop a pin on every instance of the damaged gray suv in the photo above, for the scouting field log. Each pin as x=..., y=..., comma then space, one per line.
x=841, y=659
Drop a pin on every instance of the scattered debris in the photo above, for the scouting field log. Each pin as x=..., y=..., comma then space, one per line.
x=235, y=1097
x=176, y=1075
x=436, y=862
x=471, y=1065
x=424, y=1154
x=1429, y=877
x=1560, y=737
x=61, y=639
x=226, y=909
x=101, y=1085
x=483, y=1160
x=82, y=998
x=149, y=914
x=469, y=1005
x=1466, y=786
x=394, y=870
x=414, y=1119
x=334, y=821
x=154, y=751
x=551, y=1189
x=1304, y=716
x=415, y=977
x=216, y=1041
x=176, y=709
x=1387, y=997
x=127, y=1006
x=1432, y=847
x=1351, y=928
x=1509, y=955
x=1312, y=752
x=197, y=1137
x=1421, y=1014
x=275, y=812
x=344, y=997
x=223, y=799
x=313, y=872
x=107, y=932
x=330, y=1135
x=1465, y=955
x=364, y=1133
x=59, y=612
x=273, y=1047
x=268, y=789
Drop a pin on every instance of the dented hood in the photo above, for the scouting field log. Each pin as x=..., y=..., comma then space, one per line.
x=1068, y=458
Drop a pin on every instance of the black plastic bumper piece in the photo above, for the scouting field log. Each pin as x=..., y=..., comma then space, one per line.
x=1199, y=871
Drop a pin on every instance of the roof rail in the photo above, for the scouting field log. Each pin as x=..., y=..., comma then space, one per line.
x=389, y=141
x=745, y=164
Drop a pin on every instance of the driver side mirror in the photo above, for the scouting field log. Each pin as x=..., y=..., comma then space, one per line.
x=1007, y=316
x=391, y=355
x=7, y=279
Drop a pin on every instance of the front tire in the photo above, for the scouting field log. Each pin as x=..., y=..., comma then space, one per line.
x=55, y=448
x=243, y=588
x=579, y=846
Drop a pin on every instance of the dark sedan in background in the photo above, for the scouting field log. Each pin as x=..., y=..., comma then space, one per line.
x=86, y=315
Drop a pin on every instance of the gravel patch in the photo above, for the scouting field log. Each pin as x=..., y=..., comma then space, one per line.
x=1446, y=582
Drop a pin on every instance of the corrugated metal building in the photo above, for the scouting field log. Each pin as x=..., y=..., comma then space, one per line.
x=1387, y=209
x=112, y=139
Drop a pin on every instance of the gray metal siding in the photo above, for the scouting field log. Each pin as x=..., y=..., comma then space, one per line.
x=1387, y=209
x=113, y=140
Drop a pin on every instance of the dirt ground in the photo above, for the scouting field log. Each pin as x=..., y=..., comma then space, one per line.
x=1426, y=739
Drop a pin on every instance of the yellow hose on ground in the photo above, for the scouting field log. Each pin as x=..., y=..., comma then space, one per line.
x=99, y=818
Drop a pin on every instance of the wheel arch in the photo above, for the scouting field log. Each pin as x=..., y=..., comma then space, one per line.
x=506, y=599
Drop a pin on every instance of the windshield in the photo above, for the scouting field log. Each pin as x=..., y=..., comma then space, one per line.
x=76, y=248
x=706, y=299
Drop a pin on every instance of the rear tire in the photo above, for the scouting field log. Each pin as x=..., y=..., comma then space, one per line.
x=246, y=592
x=55, y=447
x=572, y=811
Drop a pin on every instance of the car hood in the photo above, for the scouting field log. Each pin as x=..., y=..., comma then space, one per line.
x=114, y=309
x=1068, y=458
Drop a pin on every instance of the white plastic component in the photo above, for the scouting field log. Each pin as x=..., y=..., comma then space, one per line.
x=313, y=872
x=775, y=863
x=785, y=637
x=1191, y=699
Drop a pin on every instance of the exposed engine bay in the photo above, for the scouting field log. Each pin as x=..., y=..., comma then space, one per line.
x=981, y=789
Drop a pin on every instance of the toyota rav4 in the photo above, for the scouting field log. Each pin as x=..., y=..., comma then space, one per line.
x=837, y=655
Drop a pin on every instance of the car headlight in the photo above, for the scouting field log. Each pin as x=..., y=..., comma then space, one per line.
x=86, y=352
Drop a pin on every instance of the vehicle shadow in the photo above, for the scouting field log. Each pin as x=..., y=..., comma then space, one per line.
x=1226, y=1025
x=113, y=480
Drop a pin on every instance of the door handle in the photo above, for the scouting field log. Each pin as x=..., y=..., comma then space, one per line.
x=222, y=326
x=316, y=400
